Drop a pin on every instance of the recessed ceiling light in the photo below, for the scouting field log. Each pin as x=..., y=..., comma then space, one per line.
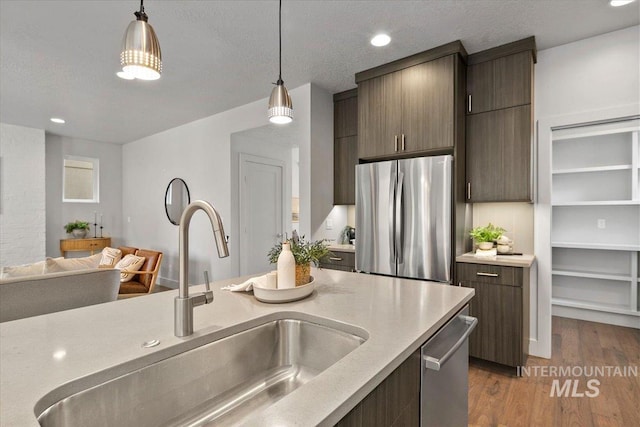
x=616, y=3
x=380, y=40
x=57, y=120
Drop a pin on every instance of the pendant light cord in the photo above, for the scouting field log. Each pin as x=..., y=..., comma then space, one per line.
x=280, y=43
x=140, y=15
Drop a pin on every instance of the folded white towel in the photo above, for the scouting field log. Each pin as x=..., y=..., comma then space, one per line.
x=247, y=285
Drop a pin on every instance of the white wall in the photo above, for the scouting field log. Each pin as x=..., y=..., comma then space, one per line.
x=199, y=153
x=22, y=195
x=596, y=77
x=515, y=218
x=110, y=179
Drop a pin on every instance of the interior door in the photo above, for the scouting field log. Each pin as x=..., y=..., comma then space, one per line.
x=261, y=211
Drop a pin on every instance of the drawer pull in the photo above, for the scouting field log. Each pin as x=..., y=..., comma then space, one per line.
x=487, y=274
x=333, y=258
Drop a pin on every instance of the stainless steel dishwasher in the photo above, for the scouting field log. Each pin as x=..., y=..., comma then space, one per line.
x=444, y=382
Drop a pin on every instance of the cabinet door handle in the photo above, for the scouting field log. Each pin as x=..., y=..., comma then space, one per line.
x=333, y=258
x=469, y=106
x=403, y=142
x=487, y=274
x=396, y=142
x=468, y=191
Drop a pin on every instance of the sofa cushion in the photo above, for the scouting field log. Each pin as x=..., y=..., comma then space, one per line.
x=130, y=263
x=33, y=269
x=57, y=265
x=110, y=257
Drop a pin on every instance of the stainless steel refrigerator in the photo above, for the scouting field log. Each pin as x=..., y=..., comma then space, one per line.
x=403, y=218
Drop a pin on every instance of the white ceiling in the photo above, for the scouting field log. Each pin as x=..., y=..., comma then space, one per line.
x=59, y=58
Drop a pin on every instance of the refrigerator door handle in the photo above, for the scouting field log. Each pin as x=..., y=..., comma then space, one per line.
x=398, y=218
x=392, y=221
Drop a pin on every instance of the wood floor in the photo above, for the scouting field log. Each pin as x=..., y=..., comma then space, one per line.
x=499, y=398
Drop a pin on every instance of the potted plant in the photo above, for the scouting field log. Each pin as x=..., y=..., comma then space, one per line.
x=485, y=236
x=304, y=253
x=77, y=228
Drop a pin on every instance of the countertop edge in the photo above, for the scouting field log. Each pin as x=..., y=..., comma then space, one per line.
x=524, y=261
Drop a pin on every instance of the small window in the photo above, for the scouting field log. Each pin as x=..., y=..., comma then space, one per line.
x=80, y=181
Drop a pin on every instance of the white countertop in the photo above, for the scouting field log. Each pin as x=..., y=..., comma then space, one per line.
x=39, y=354
x=342, y=248
x=524, y=260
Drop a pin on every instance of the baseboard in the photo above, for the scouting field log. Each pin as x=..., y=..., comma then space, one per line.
x=538, y=350
x=169, y=283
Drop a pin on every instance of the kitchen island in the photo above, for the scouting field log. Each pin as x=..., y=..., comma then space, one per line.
x=41, y=354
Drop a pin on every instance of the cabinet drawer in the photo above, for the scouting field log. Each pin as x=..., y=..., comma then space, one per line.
x=340, y=259
x=492, y=274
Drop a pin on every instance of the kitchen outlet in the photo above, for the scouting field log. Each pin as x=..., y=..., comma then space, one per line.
x=329, y=224
x=602, y=223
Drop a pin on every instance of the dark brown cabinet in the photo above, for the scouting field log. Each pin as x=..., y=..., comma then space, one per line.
x=407, y=111
x=499, y=125
x=395, y=402
x=499, y=155
x=344, y=261
x=501, y=305
x=501, y=83
x=345, y=147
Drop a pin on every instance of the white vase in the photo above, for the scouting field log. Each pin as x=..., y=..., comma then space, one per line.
x=286, y=268
x=79, y=233
x=485, y=246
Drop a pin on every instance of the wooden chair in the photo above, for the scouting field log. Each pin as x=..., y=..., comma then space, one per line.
x=145, y=279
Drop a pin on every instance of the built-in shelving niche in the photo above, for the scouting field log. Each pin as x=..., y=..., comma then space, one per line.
x=596, y=222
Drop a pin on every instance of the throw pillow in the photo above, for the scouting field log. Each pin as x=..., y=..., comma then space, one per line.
x=110, y=257
x=33, y=269
x=129, y=263
x=57, y=265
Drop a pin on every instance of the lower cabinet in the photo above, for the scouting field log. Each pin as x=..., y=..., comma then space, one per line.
x=344, y=261
x=395, y=402
x=501, y=305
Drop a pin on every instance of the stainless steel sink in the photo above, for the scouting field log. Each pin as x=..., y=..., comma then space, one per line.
x=219, y=383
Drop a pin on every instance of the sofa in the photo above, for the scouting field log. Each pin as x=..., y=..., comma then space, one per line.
x=34, y=295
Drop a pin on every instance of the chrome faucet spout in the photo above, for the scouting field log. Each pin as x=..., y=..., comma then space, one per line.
x=183, y=303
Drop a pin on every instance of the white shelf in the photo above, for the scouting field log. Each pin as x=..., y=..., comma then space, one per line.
x=564, y=302
x=598, y=203
x=607, y=246
x=590, y=275
x=593, y=169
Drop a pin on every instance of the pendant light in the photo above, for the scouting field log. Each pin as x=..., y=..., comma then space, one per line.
x=280, y=106
x=141, y=57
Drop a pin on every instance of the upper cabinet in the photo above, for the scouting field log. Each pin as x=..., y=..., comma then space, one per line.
x=500, y=123
x=345, y=147
x=500, y=83
x=407, y=107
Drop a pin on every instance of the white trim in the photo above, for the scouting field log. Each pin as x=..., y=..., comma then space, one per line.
x=542, y=214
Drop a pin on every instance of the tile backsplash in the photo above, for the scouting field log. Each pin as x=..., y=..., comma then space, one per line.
x=516, y=218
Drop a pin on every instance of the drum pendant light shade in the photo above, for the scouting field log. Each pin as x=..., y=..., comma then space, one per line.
x=280, y=106
x=141, y=57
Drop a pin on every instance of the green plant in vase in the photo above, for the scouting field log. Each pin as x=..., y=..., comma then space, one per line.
x=485, y=236
x=77, y=228
x=305, y=253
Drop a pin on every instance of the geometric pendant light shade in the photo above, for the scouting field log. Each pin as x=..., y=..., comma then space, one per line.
x=280, y=106
x=141, y=57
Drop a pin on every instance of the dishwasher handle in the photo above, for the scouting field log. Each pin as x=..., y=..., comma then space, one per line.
x=436, y=364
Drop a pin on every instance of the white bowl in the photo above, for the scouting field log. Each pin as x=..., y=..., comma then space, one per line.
x=283, y=295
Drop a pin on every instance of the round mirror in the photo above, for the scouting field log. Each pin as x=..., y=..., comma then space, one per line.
x=176, y=200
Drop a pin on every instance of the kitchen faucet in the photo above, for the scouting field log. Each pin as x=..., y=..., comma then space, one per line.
x=183, y=303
